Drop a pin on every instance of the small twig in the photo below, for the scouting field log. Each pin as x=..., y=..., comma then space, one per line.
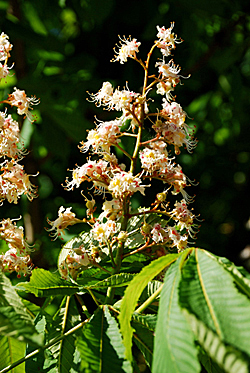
x=124, y=151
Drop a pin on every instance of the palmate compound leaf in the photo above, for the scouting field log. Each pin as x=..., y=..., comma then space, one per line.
x=44, y=283
x=101, y=347
x=227, y=357
x=11, y=350
x=59, y=358
x=174, y=347
x=208, y=291
x=133, y=293
x=15, y=321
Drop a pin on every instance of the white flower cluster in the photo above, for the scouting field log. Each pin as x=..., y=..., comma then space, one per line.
x=76, y=260
x=17, y=258
x=149, y=160
x=14, y=182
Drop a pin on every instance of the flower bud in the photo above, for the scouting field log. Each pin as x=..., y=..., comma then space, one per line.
x=146, y=228
x=161, y=197
x=122, y=236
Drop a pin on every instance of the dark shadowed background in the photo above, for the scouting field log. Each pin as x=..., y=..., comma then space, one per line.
x=63, y=49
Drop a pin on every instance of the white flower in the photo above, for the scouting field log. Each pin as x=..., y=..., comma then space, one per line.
x=5, y=47
x=167, y=39
x=128, y=48
x=159, y=234
x=4, y=71
x=103, y=137
x=124, y=183
x=14, y=182
x=65, y=218
x=169, y=70
x=9, y=137
x=102, y=231
x=103, y=95
x=12, y=261
x=23, y=103
x=90, y=171
x=75, y=261
x=178, y=240
x=14, y=236
x=155, y=158
x=110, y=209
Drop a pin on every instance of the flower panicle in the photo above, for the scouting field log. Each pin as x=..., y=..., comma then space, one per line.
x=151, y=159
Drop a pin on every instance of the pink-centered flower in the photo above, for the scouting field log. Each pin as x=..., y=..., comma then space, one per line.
x=12, y=261
x=166, y=39
x=65, y=218
x=9, y=137
x=95, y=171
x=159, y=234
x=76, y=260
x=14, y=182
x=101, y=139
x=13, y=235
x=23, y=103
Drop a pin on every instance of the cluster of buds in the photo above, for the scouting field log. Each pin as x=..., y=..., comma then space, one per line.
x=14, y=182
x=152, y=158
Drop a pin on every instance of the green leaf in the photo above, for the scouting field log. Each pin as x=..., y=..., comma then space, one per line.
x=101, y=346
x=241, y=281
x=60, y=357
x=228, y=358
x=174, y=348
x=121, y=279
x=15, y=321
x=11, y=350
x=67, y=345
x=208, y=363
x=208, y=291
x=149, y=321
x=144, y=339
x=150, y=289
x=44, y=283
x=133, y=293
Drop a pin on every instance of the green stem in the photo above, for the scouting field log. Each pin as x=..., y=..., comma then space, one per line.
x=148, y=301
x=120, y=248
x=126, y=202
x=124, y=151
x=111, y=254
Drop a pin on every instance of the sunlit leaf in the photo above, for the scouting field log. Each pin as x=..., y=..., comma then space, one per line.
x=228, y=358
x=101, y=346
x=44, y=283
x=15, y=321
x=11, y=350
x=133, y=293
x=174, y=347
x=208, y=291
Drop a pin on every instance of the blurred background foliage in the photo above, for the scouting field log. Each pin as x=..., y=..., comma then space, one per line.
x=63, y=48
